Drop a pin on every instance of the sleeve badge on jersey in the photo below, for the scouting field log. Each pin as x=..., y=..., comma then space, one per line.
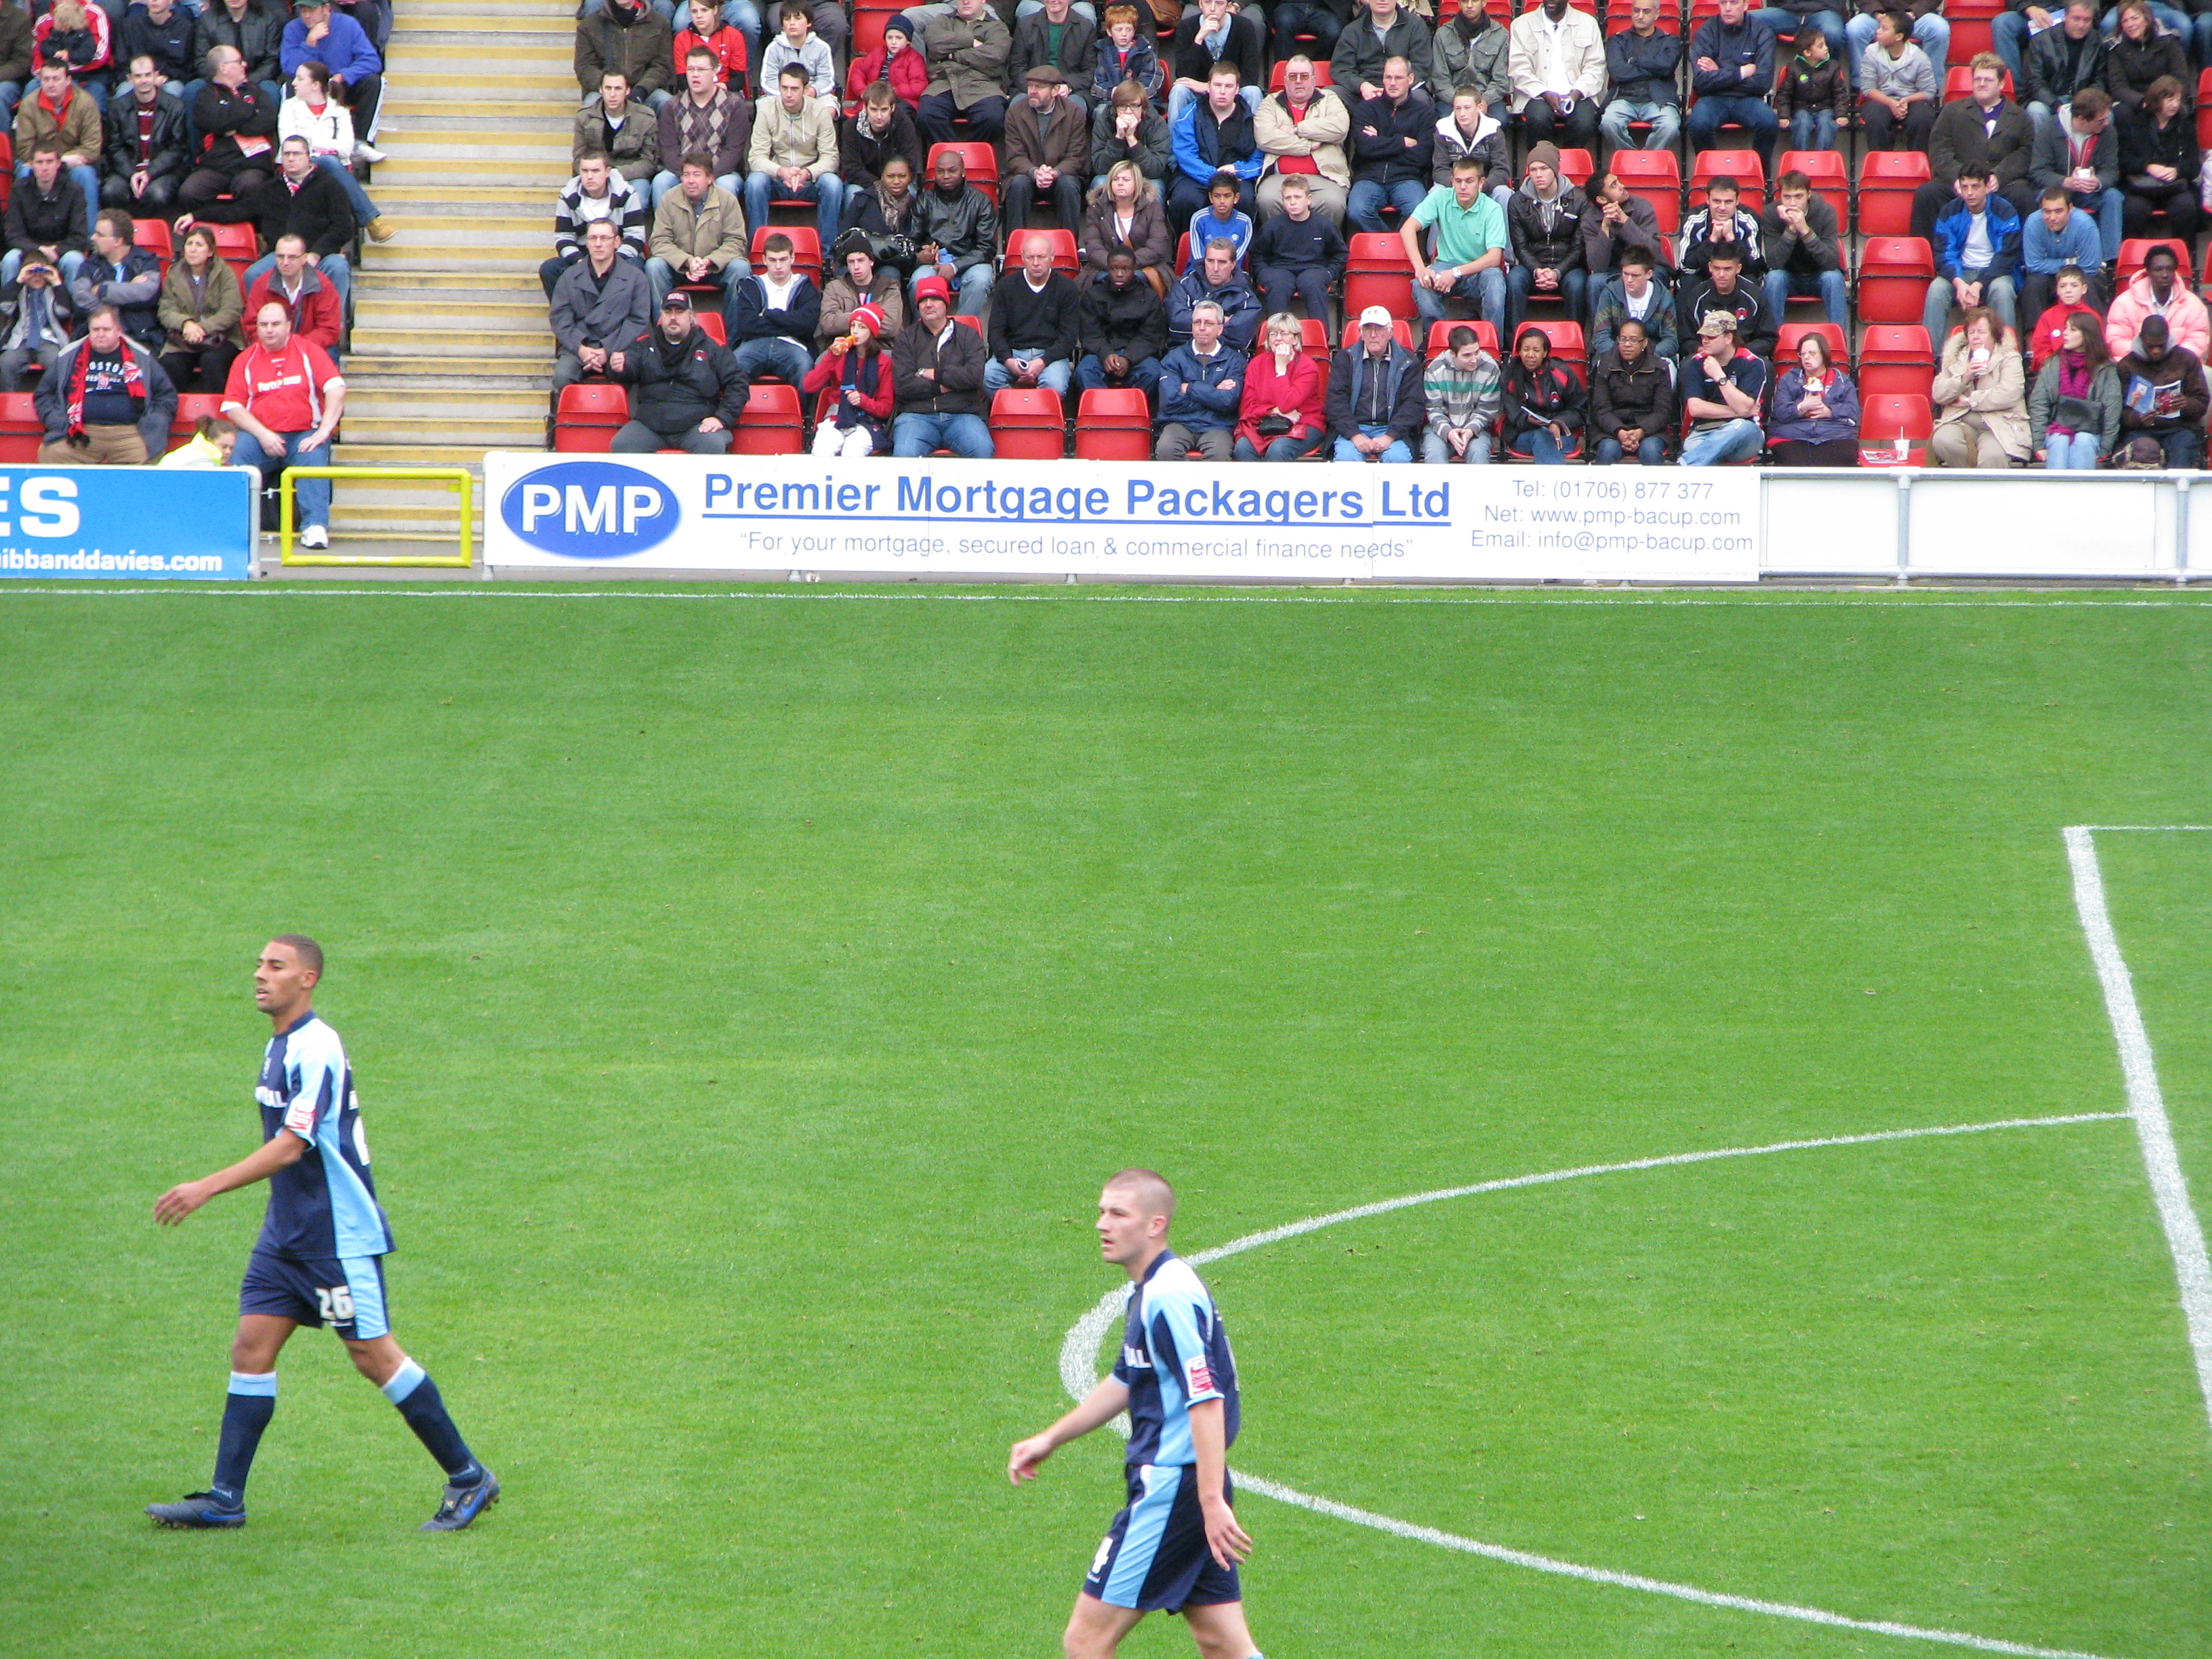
x=1198, y=1375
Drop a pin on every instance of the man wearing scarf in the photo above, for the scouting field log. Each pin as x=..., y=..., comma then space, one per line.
x=107, y=402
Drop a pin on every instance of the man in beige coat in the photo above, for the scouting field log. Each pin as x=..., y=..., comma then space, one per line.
x=1303, y=127
x=792, y=156
x=698, y=235
x=967, y=53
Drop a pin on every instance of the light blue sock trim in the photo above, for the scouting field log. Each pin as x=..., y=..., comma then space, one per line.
x=404, y=1382
x=263, y=1384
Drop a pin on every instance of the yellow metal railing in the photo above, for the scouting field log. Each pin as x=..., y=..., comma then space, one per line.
x=459, y=477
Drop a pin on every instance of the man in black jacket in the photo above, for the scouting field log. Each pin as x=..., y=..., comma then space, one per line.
x=1391, y=137
x=14, y=62
x=685, y=390
x=253, y=31
x=147, y=143
x=1725, y=289
x=1125, y=331
x=46, y=220
x=1545, y=219
x=937, y=369
x=2061, y=60
x=166, y=38
x=239, y=117
x=302, y=200
x=1036, y=321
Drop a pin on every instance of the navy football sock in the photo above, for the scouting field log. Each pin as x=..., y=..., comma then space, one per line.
x=246, y=1410
x=411, y=1390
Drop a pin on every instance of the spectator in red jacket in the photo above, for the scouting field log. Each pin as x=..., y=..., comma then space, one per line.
x=898, y=62
x=709, y=30
x=1284, y=392
x=312, y=310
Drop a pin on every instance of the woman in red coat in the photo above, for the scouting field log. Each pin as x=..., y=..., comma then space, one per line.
x=1281, y=417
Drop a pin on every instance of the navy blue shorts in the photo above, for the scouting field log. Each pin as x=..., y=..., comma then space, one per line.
x=345, y=1293
x=1154, y=1556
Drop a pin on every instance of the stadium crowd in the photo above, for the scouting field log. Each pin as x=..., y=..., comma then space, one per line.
x=980, y=226
x=186, y=205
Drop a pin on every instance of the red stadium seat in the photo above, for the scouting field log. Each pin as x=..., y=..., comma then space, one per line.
x=192, y=407
x=587, y=418
x=1657, y=176
x=7, y=169
x=1741, y=164
x=1313, y=341
x=1895, y=360
x=1824, y=170
x=1789, y=336
x=1323, y=77
x=1568, y=344
x=1887, y=179
x=769, y=424
x=2204, y=110
x=2136, y=249
x=1894, y=429
x=982, y=161
x=1575, y=165
x=711, y=324
x=1028, y=424
x=1067, y=258
x=1113, y=423
x=967, y=321
x=153, y=235
x=1894, y=272
x=21, y=431
x=806, y=248
x=1959, y=83
x=1377, y=273
x=1440, y=336
x=1402, y=330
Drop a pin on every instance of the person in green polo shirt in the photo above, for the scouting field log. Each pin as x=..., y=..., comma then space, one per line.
x=1471, y=242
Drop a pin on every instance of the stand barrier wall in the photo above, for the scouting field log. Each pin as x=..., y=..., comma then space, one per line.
x=941, y=518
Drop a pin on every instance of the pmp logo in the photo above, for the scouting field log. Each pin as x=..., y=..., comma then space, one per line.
x=590, y=510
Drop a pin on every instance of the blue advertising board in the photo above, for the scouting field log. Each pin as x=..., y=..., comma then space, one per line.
x=127, y=522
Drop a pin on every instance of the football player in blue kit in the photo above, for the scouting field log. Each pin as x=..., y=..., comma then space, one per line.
x=1176, y=1544
x=319, y=1260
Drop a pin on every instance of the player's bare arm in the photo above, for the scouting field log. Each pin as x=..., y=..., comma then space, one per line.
x=1100, y=1406
x=181, y=1199
x=1226, y=1540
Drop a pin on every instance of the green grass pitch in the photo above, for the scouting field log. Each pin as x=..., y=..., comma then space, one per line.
x=749, y=991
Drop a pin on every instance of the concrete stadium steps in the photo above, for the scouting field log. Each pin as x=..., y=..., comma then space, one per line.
x=451, y=354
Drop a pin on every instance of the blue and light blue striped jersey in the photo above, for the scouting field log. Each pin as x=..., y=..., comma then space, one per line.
x=1175, y=1353
x=324, y=1204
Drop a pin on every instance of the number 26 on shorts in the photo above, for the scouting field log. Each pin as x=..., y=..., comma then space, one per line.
x=337, y=1305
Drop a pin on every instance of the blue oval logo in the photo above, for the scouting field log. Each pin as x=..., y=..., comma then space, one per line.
x=590, y=510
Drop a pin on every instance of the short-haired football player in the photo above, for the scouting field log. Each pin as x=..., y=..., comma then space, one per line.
x=319, y=1260
x=1177, y=1544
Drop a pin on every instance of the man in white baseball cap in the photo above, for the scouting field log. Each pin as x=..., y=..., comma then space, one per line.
x=1375, y=406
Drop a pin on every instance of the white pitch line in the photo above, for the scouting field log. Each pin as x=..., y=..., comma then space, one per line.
x=1637, y=1582
x=1923, y=600
x=2169, y=1188
x=1078, y=1354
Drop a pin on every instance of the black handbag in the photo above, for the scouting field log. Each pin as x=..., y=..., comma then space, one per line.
x=1274, y=426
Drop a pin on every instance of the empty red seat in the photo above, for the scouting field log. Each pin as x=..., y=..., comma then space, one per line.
x=711, y=325
x=2204, y=110
x=1113, y=423
x=769, y=424
x=1895, y=357
x=153, y=235
x=588, y=416
x=1575, y=165
x=1887, y=179
x=1028, y=424
x=21, y=431
x=1894, y=272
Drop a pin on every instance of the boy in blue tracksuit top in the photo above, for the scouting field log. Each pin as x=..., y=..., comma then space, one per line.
x=1977, y=258
x=1732, y=72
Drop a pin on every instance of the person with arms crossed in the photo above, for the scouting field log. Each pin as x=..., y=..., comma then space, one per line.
x=1177, y=1544
x=319, y=1260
